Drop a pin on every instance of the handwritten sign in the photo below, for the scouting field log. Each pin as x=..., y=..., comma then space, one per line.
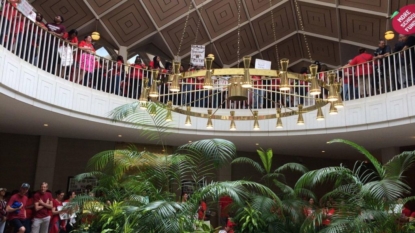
x=27, y=10
x=404, y=21
x=262, y=64
x=197, y=55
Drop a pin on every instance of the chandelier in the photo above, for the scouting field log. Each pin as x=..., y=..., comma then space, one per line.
x=240, y=85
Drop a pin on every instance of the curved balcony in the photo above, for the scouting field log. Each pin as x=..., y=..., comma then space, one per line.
x=38, y=78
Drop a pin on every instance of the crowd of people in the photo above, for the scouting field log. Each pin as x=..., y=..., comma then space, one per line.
x=58, y=51
x=23, y=211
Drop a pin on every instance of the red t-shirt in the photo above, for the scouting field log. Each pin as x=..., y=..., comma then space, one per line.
x=201, y=211
x=56, y=203
x=45, y=197
x=275, y=84
x=224, y=202
x=9, y=11
x=364, y=59
x=84, y=44
x=29, y=211
x=406, y=212
x=136, y=71
x=257, y=81
x=22, y=213
x=327, y=220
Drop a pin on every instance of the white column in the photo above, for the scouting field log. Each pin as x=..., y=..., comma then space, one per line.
x=45, y=167
x=388, y=153
x=122, y=51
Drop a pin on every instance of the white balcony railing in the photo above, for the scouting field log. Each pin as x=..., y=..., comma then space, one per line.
x=58, y=56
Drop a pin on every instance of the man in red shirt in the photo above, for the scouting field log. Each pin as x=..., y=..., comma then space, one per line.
x=43, y=203
x=16, y=209
x=364, y=70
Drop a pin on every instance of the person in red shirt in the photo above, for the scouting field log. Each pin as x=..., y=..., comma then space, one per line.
x=363, y=70
x=16, y=209
x=55, y=222
x=9, y=19
x=135, y=78
x=224, y=203
x=86, y=59
x=43, y=203
x=201, y=211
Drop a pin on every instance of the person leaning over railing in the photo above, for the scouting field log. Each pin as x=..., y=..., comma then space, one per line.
x=135, y=76
x=406, y=72
x=86, y=60
x=9, y=15
x=57, y=29
x=382, y=64
x=363, y=71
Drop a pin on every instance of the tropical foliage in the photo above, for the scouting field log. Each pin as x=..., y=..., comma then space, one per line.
x=138, y=190
x=363, y=196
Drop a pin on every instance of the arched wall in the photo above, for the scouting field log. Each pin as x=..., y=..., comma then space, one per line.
x=25, y=82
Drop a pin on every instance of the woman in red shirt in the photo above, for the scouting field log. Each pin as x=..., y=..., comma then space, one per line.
x=87, y=59
x=55, y=222
x=136, y=78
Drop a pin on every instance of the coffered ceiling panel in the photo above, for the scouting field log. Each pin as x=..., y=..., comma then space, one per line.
x=361, y=27
x=396, y=4
x=284, y=24
x=372, y=5
x=173, y=34
x=328, y=1
x=75, y=12
x=222, y=16
x=227, y=46
x=289, y=48
x=164, y=11
x=100, y=6
x=128, y=23
x=255, y=7
x=322, y=50
x=321, y=20
x=143, y=25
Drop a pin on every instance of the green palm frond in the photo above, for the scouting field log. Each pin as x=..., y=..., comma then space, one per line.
x=251, y=162
x=293, y=167
x=378, y=166
x=389, y=189
x=151, y=127
x=266, y=158
x=324, y=175
x=399, y=164
x=219, y=151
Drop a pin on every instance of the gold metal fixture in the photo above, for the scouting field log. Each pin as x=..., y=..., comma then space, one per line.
x=169, y=116
x=233, y=125
x=209, y=124
x=256, y=123
x=300, y=120
x=188, y=121
x=333, y=110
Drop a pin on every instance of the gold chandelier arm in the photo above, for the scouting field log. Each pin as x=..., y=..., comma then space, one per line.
x=248, y=118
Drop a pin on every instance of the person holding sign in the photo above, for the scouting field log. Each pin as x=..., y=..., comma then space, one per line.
x=55, y=223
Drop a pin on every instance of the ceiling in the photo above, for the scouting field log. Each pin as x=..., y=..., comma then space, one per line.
x=14, y=119
x=330, y=30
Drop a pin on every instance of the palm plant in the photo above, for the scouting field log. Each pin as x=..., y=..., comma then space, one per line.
x=139, y=187
x=284, y=213
x=362, y=194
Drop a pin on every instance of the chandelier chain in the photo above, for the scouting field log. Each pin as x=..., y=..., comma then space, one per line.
x=198, y=22
x=239, y=31
x=300, y=20
x=184, y=29
x=275, y=34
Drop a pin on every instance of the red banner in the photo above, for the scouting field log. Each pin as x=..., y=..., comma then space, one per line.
x=404, y=22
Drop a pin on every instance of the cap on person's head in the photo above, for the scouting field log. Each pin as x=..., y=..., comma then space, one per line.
x=25, y=186
x=3, y=189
